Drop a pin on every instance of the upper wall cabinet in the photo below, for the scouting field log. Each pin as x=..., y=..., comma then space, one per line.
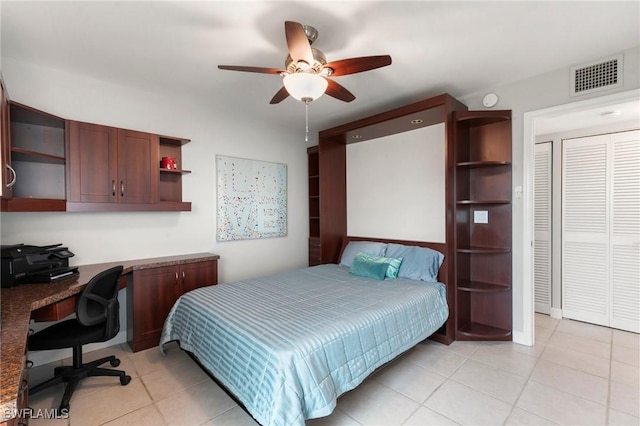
x=119, y=170
x=6, y=174
x=34, y=161
x=109, y=165
x=53, y=164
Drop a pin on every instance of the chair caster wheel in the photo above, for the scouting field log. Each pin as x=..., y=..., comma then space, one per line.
x=115, y=362
x=125, y=380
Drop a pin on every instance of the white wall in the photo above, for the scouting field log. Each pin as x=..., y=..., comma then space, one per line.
x=103, y=237
x=539, y=92
x=396, y=186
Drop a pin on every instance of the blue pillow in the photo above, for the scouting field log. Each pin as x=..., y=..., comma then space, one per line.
x=393, y=262
x=368, y=269
x=418, y=263
x=354, y=247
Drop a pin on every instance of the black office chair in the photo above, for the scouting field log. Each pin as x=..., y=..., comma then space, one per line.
x=97, y=320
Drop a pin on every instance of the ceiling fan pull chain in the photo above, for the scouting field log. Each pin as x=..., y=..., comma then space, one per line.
x=306, y=120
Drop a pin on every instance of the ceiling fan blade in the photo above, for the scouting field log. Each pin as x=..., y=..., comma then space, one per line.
x=280, y=96
x=339, y=92
x=355, y=65
x=297, y=42
x=250, y=69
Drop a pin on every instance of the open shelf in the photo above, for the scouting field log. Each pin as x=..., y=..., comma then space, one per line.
x=19, y=154
x=482, y=118
x=477, y=164
x=175, y=171
x=462, y=202
x=37, y=157
x=33, y=205
x=481, y=287
x=484, y=250
x=484, y=332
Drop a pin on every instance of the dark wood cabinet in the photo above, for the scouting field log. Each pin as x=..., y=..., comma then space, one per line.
x=152, y=292
x=483, y=239
x=109, y=165
x=315, y=247
x=170, y=186
x=138, y=174
x=53, y=164
x=34, y=160
x=6, y=174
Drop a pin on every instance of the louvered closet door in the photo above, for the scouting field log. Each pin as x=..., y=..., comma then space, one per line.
x=542, y=228
x=625, y=231
x=601, y=230
x=585, y=242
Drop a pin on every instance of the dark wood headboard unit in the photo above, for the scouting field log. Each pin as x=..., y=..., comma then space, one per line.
x=443, y=275
x=328, y=208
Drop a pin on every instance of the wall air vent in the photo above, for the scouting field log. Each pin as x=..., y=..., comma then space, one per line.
x=603, y=74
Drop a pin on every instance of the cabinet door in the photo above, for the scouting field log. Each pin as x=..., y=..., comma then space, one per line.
x=6, y=174
x=138, y=167
x=199, y=274
x=154, y=293
x=93, y=172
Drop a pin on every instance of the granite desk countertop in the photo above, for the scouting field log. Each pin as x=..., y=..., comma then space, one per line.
x=16, y=304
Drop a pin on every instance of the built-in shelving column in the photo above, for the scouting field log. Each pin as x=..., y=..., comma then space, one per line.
x=483, y=225
x=315, y=249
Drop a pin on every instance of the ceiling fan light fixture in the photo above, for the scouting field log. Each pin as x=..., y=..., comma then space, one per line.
x=305, y=85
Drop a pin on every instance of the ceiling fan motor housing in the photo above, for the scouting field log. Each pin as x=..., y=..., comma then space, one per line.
x=319, y=61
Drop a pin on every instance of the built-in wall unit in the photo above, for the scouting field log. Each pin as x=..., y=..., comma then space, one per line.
x=398, y=176
x=56, y=164
x=483, y=225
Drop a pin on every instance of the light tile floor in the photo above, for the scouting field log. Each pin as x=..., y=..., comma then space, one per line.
x=576, y=374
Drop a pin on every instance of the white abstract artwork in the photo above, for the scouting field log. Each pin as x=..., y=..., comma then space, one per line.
x=252, y=199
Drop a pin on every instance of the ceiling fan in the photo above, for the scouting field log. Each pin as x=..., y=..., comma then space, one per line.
x=306, y=69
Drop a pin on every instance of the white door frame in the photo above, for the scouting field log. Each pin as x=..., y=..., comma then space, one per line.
x=528, y=337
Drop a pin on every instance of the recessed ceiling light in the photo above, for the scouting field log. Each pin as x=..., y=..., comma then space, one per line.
x=416, y=121
x=356, y=136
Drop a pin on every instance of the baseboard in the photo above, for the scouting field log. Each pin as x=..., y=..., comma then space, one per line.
x=45, y=357
x=556, y=313
x=519, y=338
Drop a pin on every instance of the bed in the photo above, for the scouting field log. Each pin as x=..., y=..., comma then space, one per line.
x=286, y=346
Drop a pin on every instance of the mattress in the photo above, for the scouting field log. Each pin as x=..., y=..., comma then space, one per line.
x=288, y=345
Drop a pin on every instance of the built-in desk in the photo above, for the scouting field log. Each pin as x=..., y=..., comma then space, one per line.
x=52, y=301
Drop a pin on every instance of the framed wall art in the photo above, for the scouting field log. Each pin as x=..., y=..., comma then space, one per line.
x=251, y=199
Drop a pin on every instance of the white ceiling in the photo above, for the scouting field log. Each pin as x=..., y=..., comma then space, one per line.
x=456, y=47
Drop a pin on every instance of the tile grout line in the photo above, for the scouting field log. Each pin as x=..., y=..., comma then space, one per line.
x=608, y=406
x=538, y=358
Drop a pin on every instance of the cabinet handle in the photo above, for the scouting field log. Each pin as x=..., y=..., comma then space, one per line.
x=177, y=282
x=122, y=188
x=24, y=386
x=28, y=363
x=13, y=181
x=183, y=275
x=113, y=187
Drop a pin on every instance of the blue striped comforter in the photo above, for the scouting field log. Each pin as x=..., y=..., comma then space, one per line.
x=288, y=345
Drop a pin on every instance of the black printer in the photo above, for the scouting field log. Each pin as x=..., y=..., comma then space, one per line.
x=23, y=263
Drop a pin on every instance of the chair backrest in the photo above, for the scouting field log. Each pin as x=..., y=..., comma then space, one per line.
x=98, y=302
